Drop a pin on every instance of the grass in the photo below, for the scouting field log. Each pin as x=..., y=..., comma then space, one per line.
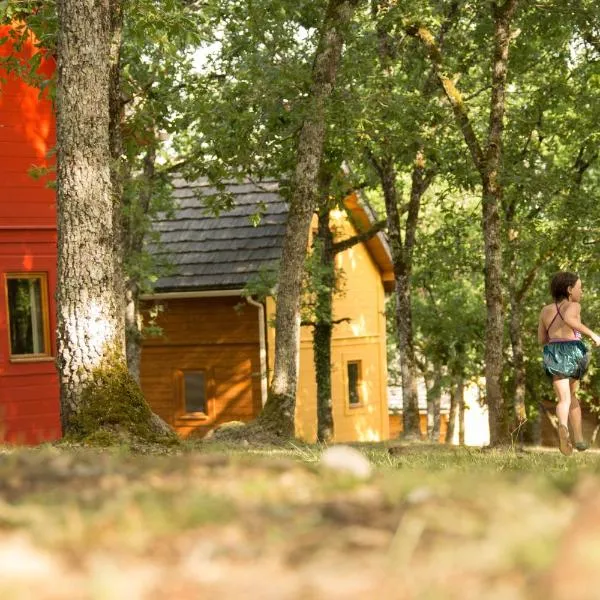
x=496, y=517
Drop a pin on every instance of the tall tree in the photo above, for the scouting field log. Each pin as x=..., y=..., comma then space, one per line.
x=487, y=159
x=90, y=319
x=279, y=411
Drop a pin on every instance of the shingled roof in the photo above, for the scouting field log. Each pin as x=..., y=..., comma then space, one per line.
x=219, y=253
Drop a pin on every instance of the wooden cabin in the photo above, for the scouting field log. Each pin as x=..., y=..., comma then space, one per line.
x=211, y=363
x=29, y=397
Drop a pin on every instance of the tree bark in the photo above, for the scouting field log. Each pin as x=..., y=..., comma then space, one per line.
x=403, y=316
x=434, y=397
x=279, y=410
x=492, y=199
x=518, y=356
x=90, y=319
x=454, y=402
x=461, y=411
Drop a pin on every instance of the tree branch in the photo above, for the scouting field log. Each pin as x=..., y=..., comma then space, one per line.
x=357, y=239
x=452, y=93
x=531, y=275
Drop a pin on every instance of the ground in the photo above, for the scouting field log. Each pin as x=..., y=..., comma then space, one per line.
x=210, y=520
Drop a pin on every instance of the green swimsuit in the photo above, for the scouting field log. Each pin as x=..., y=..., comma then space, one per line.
x=565, y=358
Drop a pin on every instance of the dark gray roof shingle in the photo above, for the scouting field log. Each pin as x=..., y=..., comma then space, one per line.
x=219, y=253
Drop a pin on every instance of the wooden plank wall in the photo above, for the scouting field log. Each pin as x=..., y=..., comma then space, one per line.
x=27, y=135
x=29, y=394
x=216, y=335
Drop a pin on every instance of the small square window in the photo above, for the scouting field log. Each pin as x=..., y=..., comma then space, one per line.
x=194, y=383
x=354, y=374
x=192, y=396
x=28, y=315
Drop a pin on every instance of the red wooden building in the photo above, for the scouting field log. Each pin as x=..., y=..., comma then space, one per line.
x=29, y=397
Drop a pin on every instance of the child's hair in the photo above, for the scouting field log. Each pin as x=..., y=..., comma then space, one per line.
x=560, y=284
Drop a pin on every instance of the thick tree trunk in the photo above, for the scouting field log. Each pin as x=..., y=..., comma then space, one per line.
x=89, y=307
x=279, y=410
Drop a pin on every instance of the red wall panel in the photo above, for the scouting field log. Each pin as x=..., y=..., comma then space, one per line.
x=29, y=394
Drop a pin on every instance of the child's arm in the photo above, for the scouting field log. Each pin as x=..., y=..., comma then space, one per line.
x=572, y=317
x=542, y=333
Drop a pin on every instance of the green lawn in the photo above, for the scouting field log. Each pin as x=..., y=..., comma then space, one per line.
x=218, y=521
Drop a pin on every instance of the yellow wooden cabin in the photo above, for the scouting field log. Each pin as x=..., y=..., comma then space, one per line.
x=211, y=362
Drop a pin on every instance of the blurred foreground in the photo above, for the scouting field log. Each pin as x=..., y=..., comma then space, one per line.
x=213, y=521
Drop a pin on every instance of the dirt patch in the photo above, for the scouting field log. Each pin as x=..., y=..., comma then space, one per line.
x=247, y=434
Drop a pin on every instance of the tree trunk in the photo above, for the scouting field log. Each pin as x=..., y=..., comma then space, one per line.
x=454, y=402
x=90, y=321
x=461, y=411
x=520, y=375
x=434, y=397
x=133, y=335
x=402, y=255
x=494, y=331
x=408, y=367
x=323, y=329
x=279, y=410
x=492, y=198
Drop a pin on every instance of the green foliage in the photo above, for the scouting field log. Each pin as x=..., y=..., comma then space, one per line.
x=264, y=283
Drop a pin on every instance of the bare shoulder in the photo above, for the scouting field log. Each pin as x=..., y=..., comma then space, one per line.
x=573, y=308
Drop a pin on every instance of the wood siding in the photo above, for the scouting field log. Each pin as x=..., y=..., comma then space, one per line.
x=218, y=336
x=29, y=401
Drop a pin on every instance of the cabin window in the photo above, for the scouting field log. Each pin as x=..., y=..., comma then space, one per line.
x=192, y=390
x=28, y=315
x=354, y=377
